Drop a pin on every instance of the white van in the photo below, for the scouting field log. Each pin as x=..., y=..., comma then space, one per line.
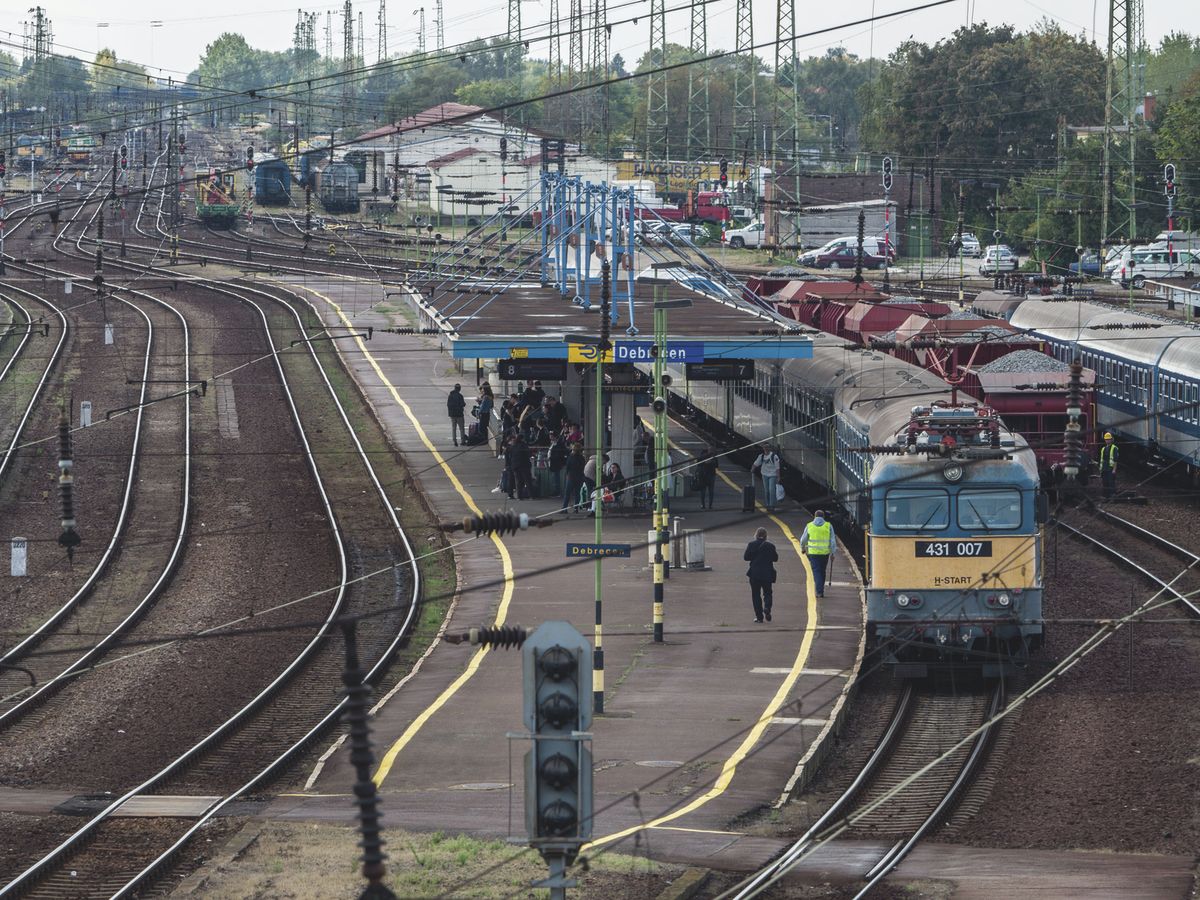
x=1141, y=264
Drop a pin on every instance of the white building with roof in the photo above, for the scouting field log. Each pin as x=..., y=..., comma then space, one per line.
x=456, y=147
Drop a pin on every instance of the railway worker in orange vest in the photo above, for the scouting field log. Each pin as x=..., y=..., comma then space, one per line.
x=1108, y=465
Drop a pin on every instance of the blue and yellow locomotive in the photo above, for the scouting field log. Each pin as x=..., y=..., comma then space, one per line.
x=954, y=546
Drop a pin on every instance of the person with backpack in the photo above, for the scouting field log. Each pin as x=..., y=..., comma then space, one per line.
x=456, y=405
x=762, y=556
x=767, y=466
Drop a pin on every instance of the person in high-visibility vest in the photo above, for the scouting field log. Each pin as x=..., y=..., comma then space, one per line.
x=1108, y=465
x=818, y=542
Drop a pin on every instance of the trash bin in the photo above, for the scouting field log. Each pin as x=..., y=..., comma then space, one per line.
x=693, y=548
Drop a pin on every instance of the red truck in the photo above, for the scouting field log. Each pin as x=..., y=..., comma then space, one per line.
x=704, y=206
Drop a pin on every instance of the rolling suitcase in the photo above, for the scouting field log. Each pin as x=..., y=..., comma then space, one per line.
x=748, y=498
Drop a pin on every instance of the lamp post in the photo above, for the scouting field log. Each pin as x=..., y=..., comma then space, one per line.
x=662, y=452
x=963, y=182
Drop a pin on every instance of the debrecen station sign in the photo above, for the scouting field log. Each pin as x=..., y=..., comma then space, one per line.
x=646, y=351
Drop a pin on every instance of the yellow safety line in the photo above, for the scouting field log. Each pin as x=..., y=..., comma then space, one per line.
x=389, y=758
x=729, y=769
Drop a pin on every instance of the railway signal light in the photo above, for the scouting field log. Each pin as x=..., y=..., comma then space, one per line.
x=1169, y=178
x=887, y=173
x=3, y=167
x=124, y=157
x=250, y=158
x=557, y=674
x=724, y=172
x=503, y=149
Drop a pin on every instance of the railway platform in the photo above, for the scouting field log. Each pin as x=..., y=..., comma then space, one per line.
x=699, y=733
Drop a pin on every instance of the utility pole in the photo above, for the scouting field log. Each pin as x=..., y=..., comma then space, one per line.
x=657, y=121
x=554, y=53
x=1122, y=94
x=382, y=39
x=745, y=83
x=576, y=66
x=699, y=133
x=787, y=121
x=440, y=33
x=347, y=55
x=420, y=31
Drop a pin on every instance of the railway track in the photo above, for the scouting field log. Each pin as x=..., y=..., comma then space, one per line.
x=1158, y=560
x=265, y=729
x=25, y=375
x=899, y=795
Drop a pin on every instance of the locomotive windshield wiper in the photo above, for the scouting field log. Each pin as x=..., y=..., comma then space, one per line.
x=979, y=516
x=933, y=512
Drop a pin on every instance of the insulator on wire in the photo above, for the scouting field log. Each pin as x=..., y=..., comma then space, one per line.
x=69, y=537
x=1073, y=438
x=499, y=522
x=499, y=636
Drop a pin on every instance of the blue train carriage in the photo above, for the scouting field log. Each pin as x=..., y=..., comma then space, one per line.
x=272, y=182
x=954, y=544
x=337, y=187
x=1147, y=373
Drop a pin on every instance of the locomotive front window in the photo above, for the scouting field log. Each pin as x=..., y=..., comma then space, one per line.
x=920, y=509
x=990, y=510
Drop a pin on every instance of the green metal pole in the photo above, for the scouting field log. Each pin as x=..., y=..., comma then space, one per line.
x=598, y=663
x=598, y=652
x=664, y=449
x=660, y=439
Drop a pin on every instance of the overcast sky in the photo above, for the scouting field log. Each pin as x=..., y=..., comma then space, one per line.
x=175, y=45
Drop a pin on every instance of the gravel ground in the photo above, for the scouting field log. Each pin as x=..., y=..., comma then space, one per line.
x=1108, y=758
x=258, y=537
x=29, y=494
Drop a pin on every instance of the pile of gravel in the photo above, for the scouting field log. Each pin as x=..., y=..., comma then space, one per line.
x=1025, y=361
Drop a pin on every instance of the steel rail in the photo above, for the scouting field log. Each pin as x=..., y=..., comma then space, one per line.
x=372, y=676
x=1188, y=602
x=26, y=878
x=51, y=361
x=764, y=876
x=82, y=663
x=898, y=852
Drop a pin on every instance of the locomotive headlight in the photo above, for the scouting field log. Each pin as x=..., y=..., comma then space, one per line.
x=902, y=601
x=1004, y=600
x=952, y=472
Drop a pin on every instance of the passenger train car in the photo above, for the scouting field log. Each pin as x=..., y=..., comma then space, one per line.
x=947, y=497
x=1147, y=372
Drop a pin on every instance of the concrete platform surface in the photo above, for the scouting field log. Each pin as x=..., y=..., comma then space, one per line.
x=698, y=731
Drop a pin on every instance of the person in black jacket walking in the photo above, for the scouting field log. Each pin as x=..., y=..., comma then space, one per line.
x=762, y=556
x=456, y=405
x=573, y=467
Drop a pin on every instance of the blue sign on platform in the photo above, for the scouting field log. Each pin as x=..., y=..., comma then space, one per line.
x=593, y=550
x=643, y=351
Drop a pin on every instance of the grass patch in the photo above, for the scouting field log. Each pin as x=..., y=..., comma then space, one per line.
x=298, y=861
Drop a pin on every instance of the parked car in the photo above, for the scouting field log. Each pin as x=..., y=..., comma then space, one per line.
x=1088, y=264
x=742, y=213
x=970, y=245
x=753, y=235
x=652, y=234
x=847, y=258
x=680, y=232
x=1145, y=263
x=998, y=258
x=872, y=245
